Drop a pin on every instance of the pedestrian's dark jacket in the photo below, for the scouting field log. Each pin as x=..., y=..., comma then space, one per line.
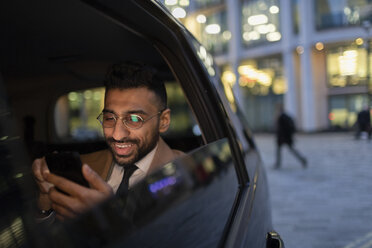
x=285, y=128
x=364, y=120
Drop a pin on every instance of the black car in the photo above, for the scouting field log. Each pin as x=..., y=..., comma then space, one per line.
x=54, y=55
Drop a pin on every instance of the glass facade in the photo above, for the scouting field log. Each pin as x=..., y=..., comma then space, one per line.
x=295, y=16
x=341, y=13
x=260, y=22
x=344, y=110
x=262, y=85
x=211, y=30
x=261, y=81
x=209, y=27
x=199, y=4
x=347, y=65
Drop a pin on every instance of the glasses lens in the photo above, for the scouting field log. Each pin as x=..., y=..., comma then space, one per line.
x=133, y=121
x=108, y=119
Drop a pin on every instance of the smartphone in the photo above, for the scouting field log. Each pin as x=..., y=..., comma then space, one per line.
x=68, y=165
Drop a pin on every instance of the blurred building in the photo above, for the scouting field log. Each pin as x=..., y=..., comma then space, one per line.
x=311, y=55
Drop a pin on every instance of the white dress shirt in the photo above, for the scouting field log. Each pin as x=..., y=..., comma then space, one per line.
x=143, y=165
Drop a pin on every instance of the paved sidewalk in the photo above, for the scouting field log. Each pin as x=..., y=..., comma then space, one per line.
x=329, y=204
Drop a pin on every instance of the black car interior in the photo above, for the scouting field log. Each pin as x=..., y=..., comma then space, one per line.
x=71, y=51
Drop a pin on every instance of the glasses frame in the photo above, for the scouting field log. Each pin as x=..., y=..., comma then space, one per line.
x=123, y=120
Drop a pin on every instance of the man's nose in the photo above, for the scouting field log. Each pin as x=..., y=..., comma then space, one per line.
x=120, y=130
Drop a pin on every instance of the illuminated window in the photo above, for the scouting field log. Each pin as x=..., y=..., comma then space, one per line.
x=210, y=30
x=262, y=76
x=262, y=85
x=260, y=22
x=347, y=66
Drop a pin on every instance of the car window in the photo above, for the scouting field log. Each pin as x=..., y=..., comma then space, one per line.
x=75, y=118
x=171, y=202
x=75, y=115
x=180, y=205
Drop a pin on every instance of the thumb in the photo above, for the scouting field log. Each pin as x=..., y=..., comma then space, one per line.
x=94, y=180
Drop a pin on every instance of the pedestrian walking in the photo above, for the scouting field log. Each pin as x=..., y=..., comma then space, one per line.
x=285, y=129
x=363, y=123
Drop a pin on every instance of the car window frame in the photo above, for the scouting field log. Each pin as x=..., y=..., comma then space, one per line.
x=170, y=38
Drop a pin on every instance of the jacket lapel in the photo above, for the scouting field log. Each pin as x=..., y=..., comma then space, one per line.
x=102, y=161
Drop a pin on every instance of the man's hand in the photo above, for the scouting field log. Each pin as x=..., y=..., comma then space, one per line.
x=39, y=166
x=77, y=198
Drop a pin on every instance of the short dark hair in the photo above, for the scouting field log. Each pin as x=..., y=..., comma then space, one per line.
x=127, y=75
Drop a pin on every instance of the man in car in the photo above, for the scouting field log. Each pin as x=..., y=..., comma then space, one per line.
x=135, y=114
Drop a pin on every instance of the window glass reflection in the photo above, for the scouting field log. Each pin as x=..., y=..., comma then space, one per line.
x=260, y=22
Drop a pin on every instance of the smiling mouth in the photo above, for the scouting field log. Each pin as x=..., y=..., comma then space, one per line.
x=122, y=146
x=123, y=149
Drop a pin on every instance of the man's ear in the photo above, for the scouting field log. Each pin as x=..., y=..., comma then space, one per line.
x=165, y=119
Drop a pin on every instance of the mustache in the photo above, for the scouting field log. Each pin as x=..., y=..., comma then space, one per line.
x=125, y=140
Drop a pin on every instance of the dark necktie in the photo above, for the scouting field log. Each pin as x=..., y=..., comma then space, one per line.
x=124, y=185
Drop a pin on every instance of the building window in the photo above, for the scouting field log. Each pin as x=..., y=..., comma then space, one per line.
x=263, y=85
x=262, y=76
x=347, y=65
x=260, y=22
x=343, y=110
x=210, y=29
x=295, y=16
x=208, y=24
x=199, y=4
x=336, y=13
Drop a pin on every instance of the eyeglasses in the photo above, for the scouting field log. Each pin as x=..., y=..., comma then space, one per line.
x=131, y=121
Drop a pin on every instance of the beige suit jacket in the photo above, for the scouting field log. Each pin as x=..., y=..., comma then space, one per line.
x=101, y=161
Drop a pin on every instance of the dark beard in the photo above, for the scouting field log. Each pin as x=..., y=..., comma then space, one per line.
x=141, y=152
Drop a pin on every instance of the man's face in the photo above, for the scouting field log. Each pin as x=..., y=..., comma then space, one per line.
x=130, y=145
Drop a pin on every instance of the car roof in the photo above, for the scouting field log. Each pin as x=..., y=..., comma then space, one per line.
x=43, y=37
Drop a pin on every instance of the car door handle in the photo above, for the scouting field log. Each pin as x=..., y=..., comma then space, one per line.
x=273, y=240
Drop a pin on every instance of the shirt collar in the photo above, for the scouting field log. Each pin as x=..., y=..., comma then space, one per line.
x=145, y=162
